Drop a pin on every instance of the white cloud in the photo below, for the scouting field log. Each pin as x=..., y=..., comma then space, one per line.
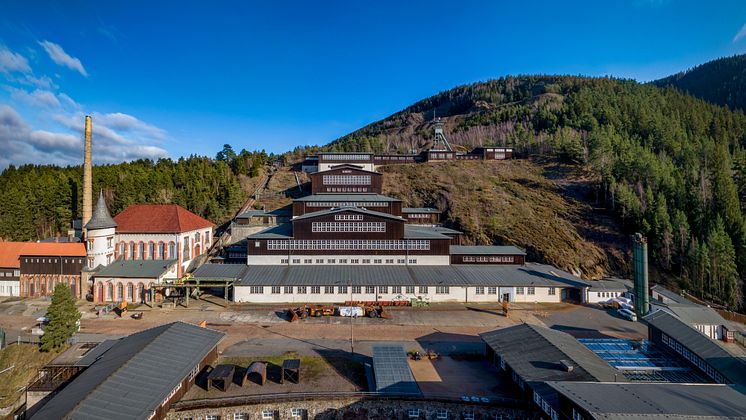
x=21, y=144
x=12, y=62
x=59, y=56
x=741, y=33
x=38, y=98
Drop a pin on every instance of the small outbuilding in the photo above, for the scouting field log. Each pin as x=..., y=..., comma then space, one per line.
x=257, y=373
x=221, y=377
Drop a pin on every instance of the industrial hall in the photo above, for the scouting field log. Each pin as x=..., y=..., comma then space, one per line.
x=349, y=242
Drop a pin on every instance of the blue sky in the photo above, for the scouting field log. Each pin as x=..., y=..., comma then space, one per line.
x=180, y=78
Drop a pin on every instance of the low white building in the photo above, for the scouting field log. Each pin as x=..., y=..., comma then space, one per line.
x=603, y=290
x=450, y=283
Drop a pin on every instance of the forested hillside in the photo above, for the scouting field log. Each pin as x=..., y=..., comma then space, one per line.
x=721, y=81
x=667, y=164
x=40, y=201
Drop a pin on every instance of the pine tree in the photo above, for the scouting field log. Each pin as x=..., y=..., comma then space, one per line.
x=723, y=273
x=63, y=317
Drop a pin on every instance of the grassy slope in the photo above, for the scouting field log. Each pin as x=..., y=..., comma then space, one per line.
x=27, y=359
x=509, y=202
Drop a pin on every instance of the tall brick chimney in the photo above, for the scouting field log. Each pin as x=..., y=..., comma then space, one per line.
x=87, y=174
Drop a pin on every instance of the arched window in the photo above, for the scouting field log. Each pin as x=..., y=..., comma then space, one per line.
x=100, y=292
x=141, y=251
x=161, y=249
x=130, y=292
x=196, y=251
x=50, y=286
x=185, y=254
x=120, y=291
x=171, y=250
x=151, y=251
x=73, y=288
x=31, y=287
x=131, y=256
x=140, y=291
x=196, y=237
x=109, y=292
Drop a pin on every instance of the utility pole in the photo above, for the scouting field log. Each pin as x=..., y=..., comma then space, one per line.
x=352, y=332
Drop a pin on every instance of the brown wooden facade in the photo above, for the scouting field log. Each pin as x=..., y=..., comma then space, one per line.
x=510, y=259
x=345, y=179
x=303, y=228
x=385, y=206
x=40, y=274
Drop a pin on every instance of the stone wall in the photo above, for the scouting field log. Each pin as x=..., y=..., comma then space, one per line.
x=348, y=408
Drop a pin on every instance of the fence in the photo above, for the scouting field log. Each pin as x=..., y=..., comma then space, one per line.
x=732, y=316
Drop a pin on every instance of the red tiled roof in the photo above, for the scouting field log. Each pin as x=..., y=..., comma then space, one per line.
x=10, y=251
x=158, y=218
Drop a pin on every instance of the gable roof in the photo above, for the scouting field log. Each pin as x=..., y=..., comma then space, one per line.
x=133, y=377
x=357, y=197
x=695, y=314
x=486, y=250
x=727, y=364
x=639, y=400
x=159, y=218
x=352, y=209
x=10, y=252
x=101, y=218
x=347, y=166
x=671, y=295
x=535, y=352
x=148, y=269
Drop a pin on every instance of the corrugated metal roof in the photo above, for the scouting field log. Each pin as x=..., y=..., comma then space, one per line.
x=607, y=285
x=392, y=371
x=671, y=295
x=136, y=268
x=535, y=352
x=695, y=314
x=419, y=210
x=402, y=275
x=630, y=401
x=486, y=250
x=730, y=366
x=131, y=380
x=423, y=232
x=220, y=271
x=282, y=231
x=358, y=197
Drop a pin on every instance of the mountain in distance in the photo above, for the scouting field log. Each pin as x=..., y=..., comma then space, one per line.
x=721, y=81
x=652, y=160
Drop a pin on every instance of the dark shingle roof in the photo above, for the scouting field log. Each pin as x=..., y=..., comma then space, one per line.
x=101, y=218
x=535, y=352
x=132, y=378
x=486, y=250
x=281, y=231
x=531, y=274
x=696, y=314
x=727, y=364
x=636, y=400
x=607, y=285
x=149, y=269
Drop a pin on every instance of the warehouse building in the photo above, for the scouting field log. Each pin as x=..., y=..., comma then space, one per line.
x=642, y=401
x=531, y=355
x=703, y=354
x=442, y=283
x=138, y=377
x=603, y=290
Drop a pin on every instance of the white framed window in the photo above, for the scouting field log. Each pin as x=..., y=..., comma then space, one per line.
x=396, y=290
x=424, y=290
x=296, y=260
x=383, y=290
x=441, y=413
x=240, y=416
x=468, y=415
x=315, y=290
x=479, y=290
x=442, y=290
x=519, y=290
x=276, y=290
x=413, y=413
x=576, y=415
x=296, y=412
x=268, y=414
x=302, y=290
x=409, y=290
x=288, y=290
x=370, y=289
x=256, y=290
x=342, y=290
x=357, y=289
x=552, y=291
x=531, y=291
x=319, y=260
x=212, y=417
x=329, y=290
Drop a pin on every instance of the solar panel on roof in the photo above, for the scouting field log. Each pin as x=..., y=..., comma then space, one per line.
x=392, y=373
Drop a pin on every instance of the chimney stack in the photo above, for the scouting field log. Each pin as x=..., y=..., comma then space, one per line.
x=87, y=174
x=640, y=263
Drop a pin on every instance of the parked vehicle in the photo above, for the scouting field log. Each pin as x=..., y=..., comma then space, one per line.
x=627, y=314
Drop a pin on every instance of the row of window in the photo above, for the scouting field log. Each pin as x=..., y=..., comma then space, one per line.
x=532, y=291
x=412, y=413
x=346, y=189
x=492, y=259
x=343, y=290
x=418, y=216
x=14, y=273
x=688, y=355
x=348, y=261
x=345, y=157
x=136, y=251
x=349, y=244
x=348, y=227
x=347, y=204
x=393, y=158
x=346, y=180
x=608, y=294
x=53, y=260
x=348, y=216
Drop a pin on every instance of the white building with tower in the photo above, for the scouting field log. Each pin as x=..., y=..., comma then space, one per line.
x=100, y=235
